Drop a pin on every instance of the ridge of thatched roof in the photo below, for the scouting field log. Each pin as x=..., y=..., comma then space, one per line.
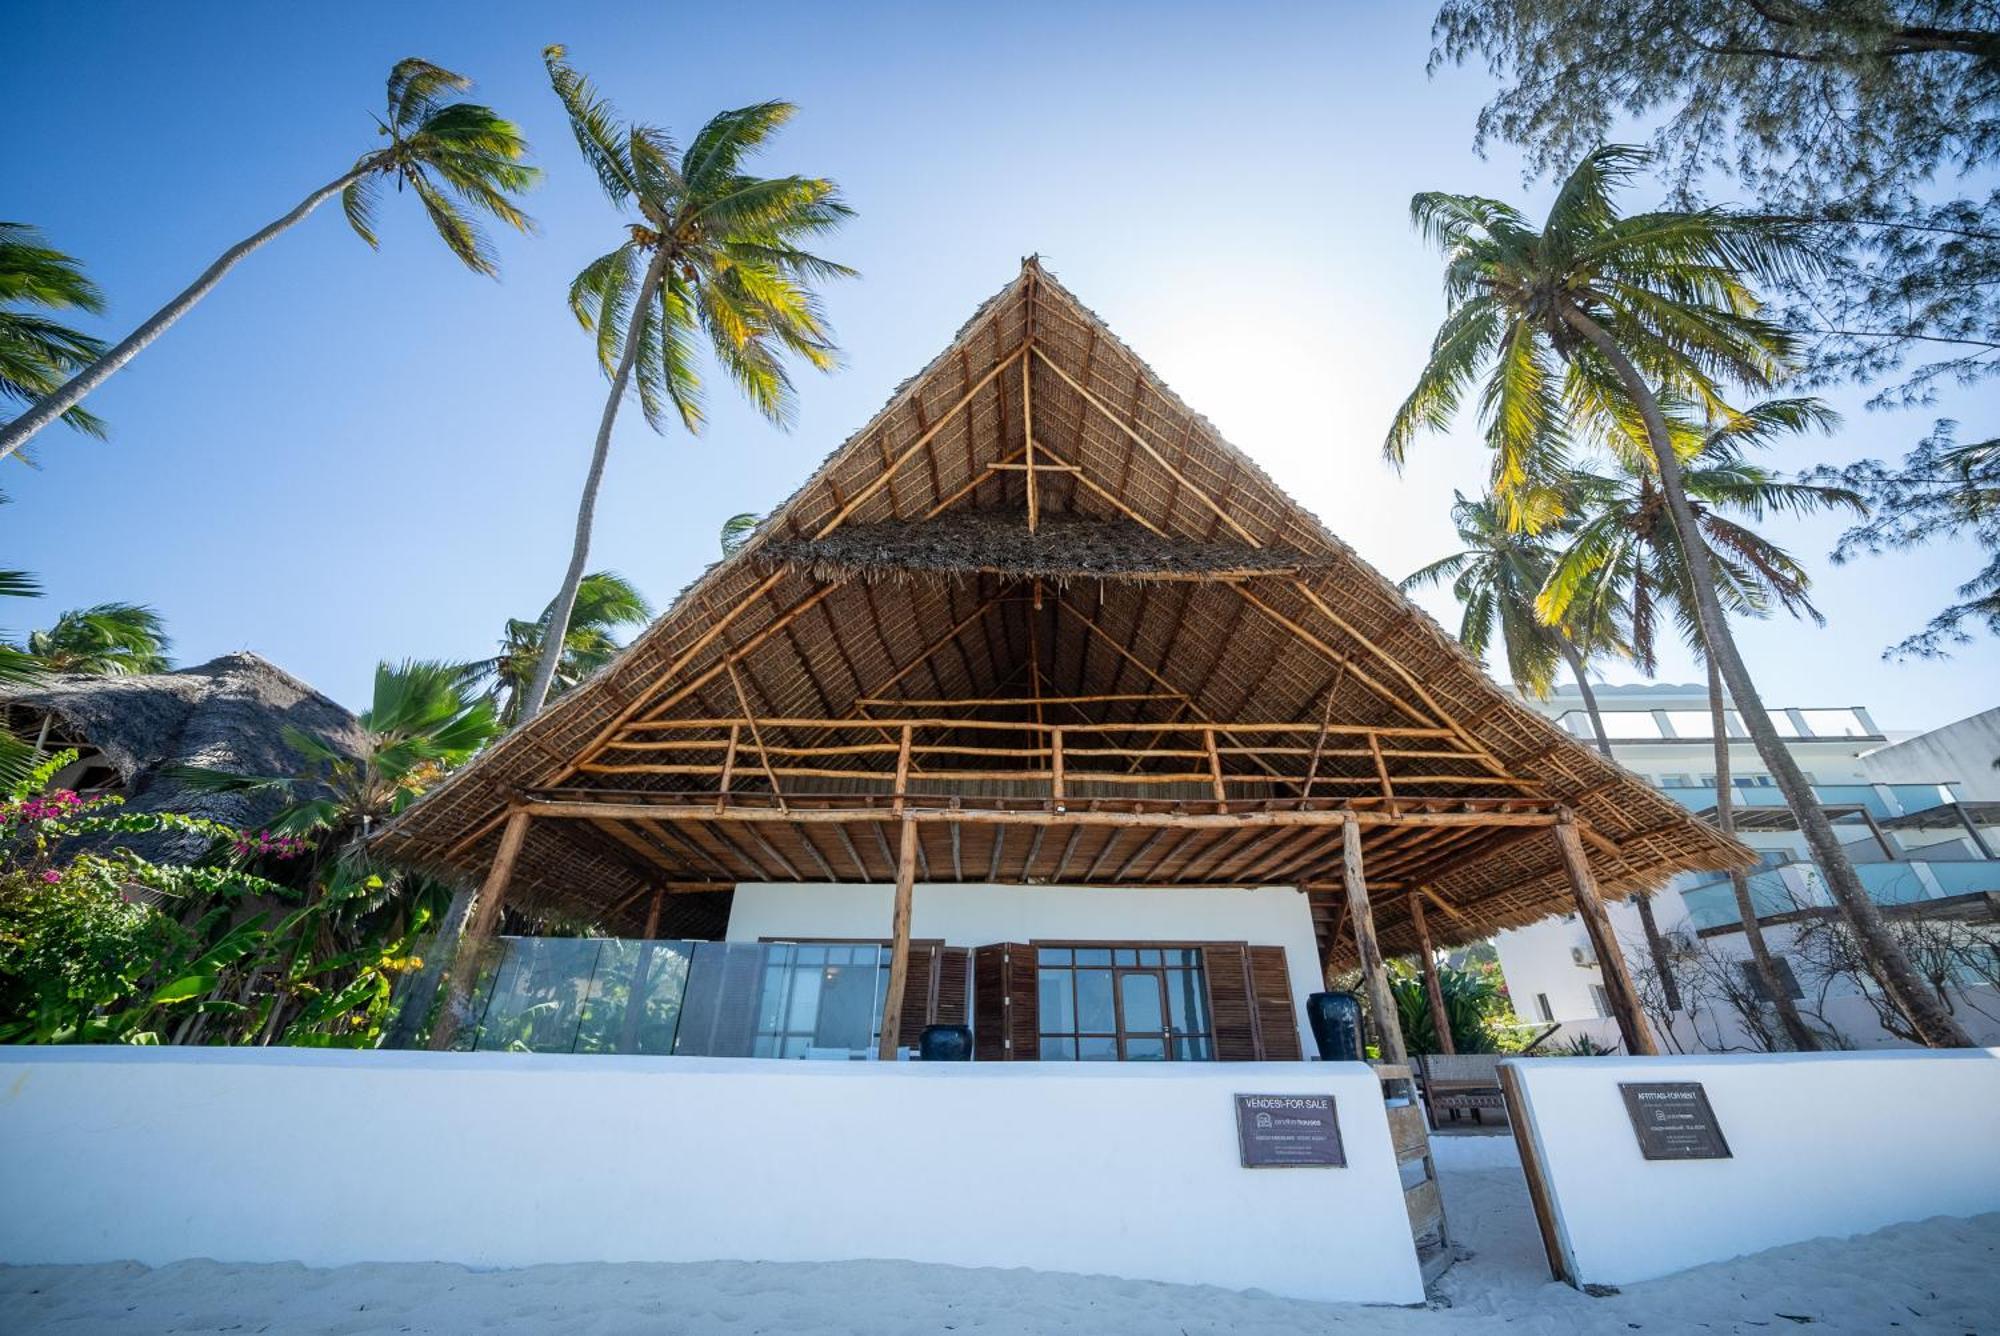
x=839, y=591
x=1064, y=547
x=227, y=714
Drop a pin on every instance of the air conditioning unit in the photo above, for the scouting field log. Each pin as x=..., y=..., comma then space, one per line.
x=1582, y=957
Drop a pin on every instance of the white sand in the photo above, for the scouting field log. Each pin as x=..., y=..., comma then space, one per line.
x=1938, y=1276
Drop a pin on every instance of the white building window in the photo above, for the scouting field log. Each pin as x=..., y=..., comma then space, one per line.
x=1542, y=1005
x=1600, y=1000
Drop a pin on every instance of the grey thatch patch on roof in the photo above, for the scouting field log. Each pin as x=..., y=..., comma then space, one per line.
x=1063, y=547
x=227, y=714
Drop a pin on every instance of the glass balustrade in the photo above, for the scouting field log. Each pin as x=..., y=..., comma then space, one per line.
x=705, y=999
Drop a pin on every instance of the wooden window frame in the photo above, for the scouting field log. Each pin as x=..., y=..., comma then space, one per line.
x=1120, y=1035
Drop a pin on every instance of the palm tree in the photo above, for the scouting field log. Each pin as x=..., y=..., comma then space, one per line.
x=712, y=255
x=419, y=724
x=458, y=158
x=1592, y=316
x=1625, y=549
x=17, y=668
x=736, y=531
x=104, y=640
x=1497, y=577
x=38, y=354
x=606, y=602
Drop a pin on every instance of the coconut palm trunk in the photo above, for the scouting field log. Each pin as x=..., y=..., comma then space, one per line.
x=554, y=635
x=53, y=405
x=1656, y=945
x=1789, y=1019
x=1891, y=966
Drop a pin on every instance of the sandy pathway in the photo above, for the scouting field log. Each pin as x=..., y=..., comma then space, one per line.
x=1938, y=1276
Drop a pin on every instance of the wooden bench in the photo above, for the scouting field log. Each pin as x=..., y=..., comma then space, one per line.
x=1456, y=1083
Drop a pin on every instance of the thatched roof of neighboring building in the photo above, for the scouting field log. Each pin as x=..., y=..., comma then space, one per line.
x=228, y=714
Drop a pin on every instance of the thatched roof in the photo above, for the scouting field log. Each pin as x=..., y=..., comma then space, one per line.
x=227, y=714
x=1063, y=548
x=1201, y=600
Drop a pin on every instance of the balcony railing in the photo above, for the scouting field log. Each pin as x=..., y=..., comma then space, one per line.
x=1789, y=886
x=1880, y=801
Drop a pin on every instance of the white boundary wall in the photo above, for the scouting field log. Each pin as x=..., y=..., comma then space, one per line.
x=500, y=1160
x=976, y=915
x=1823, y=1145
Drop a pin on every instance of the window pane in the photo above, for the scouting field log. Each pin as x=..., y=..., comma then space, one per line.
x=1058, y=1050
x=1150, y=956
x=809, y=955
x=1139, y=995
x=1145, y=1050
x=804, y=1010
x=1058, y=1006
x=1094, y=1012
x=1097, y=1050
x=1053, y=955
x=847, y=1010
x=1093, y=955
x=1187, y=1006
x=1192, y=1050
x=1127, y=956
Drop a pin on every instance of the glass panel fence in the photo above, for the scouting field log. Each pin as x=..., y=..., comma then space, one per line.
x=616, y=995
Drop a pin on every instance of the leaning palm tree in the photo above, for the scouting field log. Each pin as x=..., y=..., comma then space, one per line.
x=104, y=640
x=459, y=159
x=1625, y=549
x=713, y=255
x=606, y=603
x=37, y=354
x=1593, y=315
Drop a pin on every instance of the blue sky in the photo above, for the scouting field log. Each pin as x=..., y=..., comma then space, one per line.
x=343, y=455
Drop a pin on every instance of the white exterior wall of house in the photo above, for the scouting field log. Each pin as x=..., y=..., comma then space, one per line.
x=1660, y=732
x=979, y=915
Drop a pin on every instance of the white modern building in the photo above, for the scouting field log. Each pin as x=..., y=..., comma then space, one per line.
x=1920, y=819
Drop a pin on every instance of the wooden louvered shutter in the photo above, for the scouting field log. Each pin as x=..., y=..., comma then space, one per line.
x=1230, y=1010
x=1006, y=1004
x=919, y=994
x=1271, y=996
x=954, y=987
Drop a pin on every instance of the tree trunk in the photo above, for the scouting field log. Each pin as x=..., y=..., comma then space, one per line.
x=556, y=633
x=1885, y=956
x=71, y=392
x=1656, y=946
x=1789, y=1019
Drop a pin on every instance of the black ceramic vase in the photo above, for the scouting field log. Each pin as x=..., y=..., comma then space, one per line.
x=945, y=1043
x=1336, y=1025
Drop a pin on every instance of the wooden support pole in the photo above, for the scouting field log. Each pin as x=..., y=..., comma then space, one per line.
x=1056, y=764
x=1610, y=958
x=1374, y=971
x=1433, y=986
x=1028, y=439
x=485, y=918
x=899, y=949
